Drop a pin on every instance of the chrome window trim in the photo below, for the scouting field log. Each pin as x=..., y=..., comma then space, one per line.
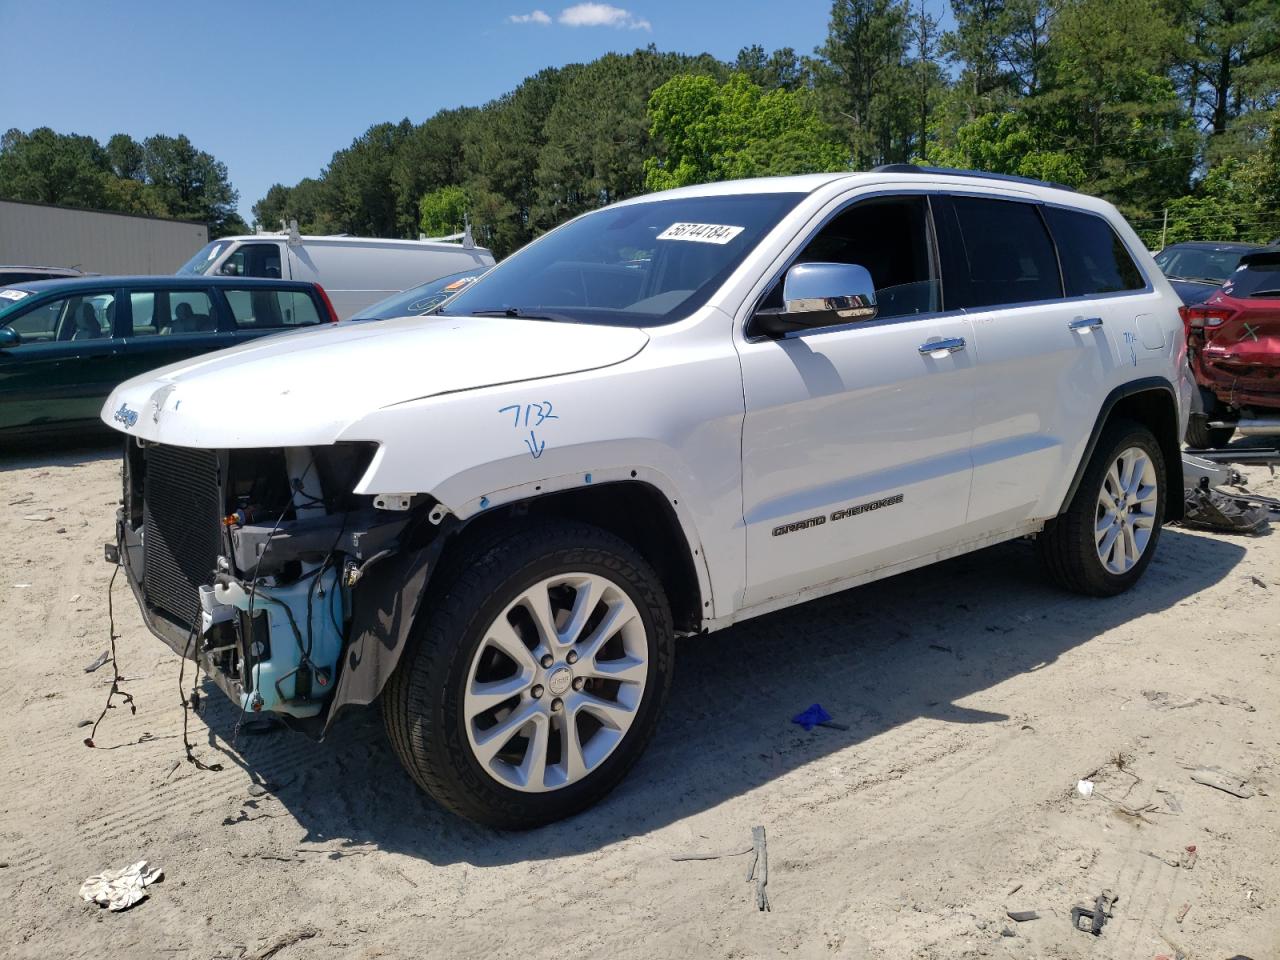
x=935, y=253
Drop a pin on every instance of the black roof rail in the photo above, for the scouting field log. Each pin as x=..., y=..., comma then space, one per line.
x=953, y=172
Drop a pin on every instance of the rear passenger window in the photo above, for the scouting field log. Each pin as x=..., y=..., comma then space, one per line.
x=995, y=252
x=171, y=313
x=1094, y=259
x=270, y=309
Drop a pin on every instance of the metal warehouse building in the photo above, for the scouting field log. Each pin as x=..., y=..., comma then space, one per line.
x=38, y=234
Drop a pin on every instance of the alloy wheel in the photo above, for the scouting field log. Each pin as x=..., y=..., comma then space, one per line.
x=1126, y=511
x=556, y=682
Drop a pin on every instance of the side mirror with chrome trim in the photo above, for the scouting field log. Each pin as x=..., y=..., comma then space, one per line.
x=820, y=295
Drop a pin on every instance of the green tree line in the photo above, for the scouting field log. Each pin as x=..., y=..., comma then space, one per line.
x=161, y=176
x=1161, y=106
x=1168, y=108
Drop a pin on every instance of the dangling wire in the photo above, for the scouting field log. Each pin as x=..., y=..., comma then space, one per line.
x=189, y=704
x=115, y=668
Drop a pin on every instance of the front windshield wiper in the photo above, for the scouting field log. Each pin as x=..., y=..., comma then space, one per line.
x=1265, y=293
x=517, y=313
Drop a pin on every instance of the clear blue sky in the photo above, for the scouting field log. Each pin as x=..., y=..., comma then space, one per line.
x=273, y=87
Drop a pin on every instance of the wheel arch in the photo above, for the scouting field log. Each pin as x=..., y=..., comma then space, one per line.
x=632, y=508
x=1153, y=402
x=389, y=600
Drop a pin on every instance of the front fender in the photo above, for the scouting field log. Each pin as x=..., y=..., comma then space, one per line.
x=673, y=423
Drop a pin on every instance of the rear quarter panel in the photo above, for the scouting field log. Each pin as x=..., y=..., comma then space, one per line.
x=1147, y=340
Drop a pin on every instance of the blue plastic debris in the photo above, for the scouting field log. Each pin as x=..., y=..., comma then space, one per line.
x=812, y=717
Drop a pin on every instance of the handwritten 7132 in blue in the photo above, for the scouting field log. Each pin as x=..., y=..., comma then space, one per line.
x=1131, y=339
x=531, y=415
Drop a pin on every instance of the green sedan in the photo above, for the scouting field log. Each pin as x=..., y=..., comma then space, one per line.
x=64, y=344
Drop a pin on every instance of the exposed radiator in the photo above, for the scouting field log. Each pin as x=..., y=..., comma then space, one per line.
x=181, y=513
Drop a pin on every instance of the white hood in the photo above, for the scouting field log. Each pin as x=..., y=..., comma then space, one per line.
x=305, y=388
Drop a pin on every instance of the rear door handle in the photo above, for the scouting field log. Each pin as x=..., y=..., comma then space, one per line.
x=948, y=345
x=1085, y=323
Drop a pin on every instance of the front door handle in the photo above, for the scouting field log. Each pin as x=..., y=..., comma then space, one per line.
x=940, y=345
x=1085, y=323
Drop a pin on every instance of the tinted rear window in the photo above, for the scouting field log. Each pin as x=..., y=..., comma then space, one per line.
x=1259, y=278
x=261, y=308
x=1094, y=260
x=995, y=252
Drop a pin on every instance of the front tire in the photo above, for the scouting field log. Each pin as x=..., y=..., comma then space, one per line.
x=535, y=676
x=1103, y=542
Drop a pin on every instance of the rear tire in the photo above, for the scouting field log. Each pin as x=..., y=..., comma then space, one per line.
x=1201, y=436
x=1103, y=542
x=512, y=719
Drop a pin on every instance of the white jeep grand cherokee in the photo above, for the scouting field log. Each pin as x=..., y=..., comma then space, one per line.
x=662, y=418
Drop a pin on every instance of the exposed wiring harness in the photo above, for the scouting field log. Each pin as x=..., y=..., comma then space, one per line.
x=189, y=704
x=253, y=595
x=115, y=667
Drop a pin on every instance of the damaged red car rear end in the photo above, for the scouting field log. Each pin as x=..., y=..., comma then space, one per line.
x=1233, y=341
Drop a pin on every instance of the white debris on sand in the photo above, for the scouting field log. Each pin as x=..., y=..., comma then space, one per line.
x=120, y=889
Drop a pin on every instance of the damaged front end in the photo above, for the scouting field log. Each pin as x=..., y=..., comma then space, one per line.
x=295, y=595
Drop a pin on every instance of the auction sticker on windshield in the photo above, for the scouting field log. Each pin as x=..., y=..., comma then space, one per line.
x=700, y=232
x=14, y=294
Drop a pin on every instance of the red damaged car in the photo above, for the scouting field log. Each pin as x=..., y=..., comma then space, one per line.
x=1233, y=341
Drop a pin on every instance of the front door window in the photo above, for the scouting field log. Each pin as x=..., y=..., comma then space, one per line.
x=253, y=260
x=83, y=317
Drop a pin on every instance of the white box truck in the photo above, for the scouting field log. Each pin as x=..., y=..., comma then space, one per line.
x=354, y=271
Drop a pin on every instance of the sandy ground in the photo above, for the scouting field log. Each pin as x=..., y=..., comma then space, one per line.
x=976, y=696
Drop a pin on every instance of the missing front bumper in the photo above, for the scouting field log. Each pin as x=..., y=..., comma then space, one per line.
x=394, y=555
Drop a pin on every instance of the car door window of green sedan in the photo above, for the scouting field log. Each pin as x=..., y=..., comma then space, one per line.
x=39, y=325
x=265, y=309
x=79, y=318
x=172, y=313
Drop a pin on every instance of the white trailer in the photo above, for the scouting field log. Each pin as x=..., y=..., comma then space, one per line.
x=95, y=241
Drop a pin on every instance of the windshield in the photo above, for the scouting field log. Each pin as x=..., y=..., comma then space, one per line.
x=203, y=260
x=635, y=265
x=1258, y=278
x=421, y=299
x=1198, y=263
